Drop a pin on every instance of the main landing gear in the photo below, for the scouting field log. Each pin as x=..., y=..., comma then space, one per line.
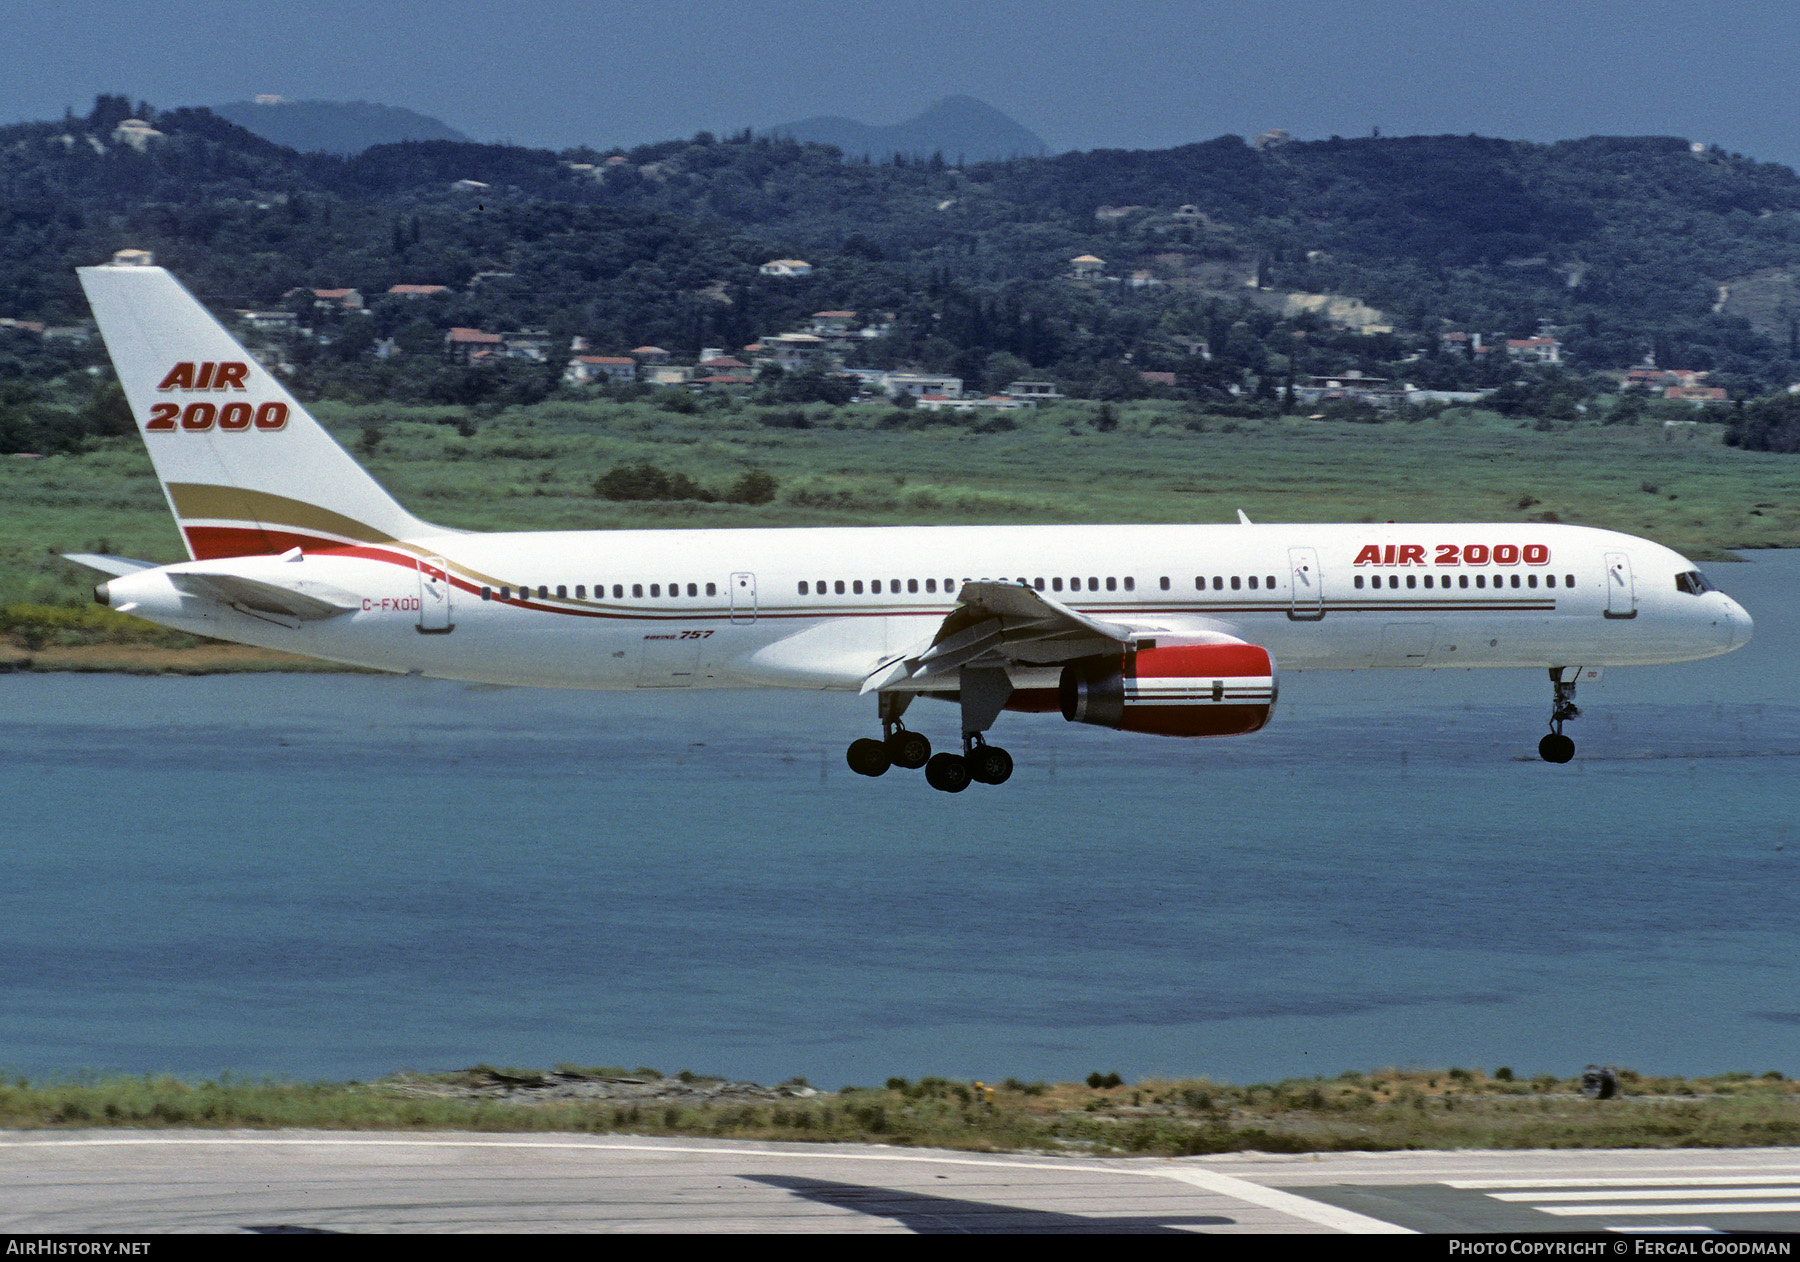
x=898, y=747
x=984, y=693
x=1556, y=747
x=979, y=762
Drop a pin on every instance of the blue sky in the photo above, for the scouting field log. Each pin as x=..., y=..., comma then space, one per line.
x=1081, y=73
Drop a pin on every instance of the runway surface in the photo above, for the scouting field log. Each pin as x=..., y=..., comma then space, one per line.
x=134, y=1182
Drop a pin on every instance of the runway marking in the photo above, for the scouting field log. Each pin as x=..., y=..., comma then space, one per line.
x=1662, y=1194
x=1698, y=1207
x=1640, y=1195
x=1621, y=1181
x=1305, y=1208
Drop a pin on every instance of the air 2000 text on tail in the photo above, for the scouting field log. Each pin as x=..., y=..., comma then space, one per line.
x=1168, y=630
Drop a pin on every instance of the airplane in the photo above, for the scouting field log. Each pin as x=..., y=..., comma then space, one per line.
x=1170, y=630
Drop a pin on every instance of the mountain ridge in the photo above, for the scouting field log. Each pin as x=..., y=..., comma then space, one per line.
x=340, y=127
x=957, y=127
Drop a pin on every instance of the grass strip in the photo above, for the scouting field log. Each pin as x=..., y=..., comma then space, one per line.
x=1387, y=1110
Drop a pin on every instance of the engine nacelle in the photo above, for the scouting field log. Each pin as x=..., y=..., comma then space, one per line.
x=1182, y=690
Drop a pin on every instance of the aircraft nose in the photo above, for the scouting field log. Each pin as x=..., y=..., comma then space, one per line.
x=1742, y=627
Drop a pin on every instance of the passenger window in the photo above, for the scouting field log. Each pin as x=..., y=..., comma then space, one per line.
x=581, y=591
x=506, y=593
x=1236, y=583
x=1481, y=580
x=562, y=592
x=1112, y=584
x=656, y=589
x=637, y=591
x=1269, y=582
x=1359, y=582
x=1093, y=584
x=856, y=587
x=1165, y=582
x=803, y=587
x=875, y=586
x=693, y=590
x=912, y=584
x=1056, y=584
x=712, y=590
x=1462, y=580
x=1218, y=583
x=1130, y=584
x=1531, y=580
x=486, y=594
x=838, y=587
x=1412, y=580
x=1253, y=582
x=1568, y=580
x=1038, y=584
x=1428, y=580
x=931, y=585
x=1393, y=580
x=543, y=591
x=1515, y=580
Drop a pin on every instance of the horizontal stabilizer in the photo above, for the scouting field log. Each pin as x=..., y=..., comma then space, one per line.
x=305, y=601
x=115, y=566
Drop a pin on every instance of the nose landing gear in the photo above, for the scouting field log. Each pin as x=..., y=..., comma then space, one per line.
x=1556, y=747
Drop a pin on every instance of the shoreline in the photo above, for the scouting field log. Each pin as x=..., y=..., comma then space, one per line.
x=153, y=659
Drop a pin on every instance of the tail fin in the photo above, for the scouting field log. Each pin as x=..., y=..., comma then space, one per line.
x=246, y=470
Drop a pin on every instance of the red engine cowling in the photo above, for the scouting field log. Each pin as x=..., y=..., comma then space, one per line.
x=1182, y=690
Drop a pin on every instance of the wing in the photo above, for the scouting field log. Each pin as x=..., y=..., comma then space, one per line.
x=1000, y=624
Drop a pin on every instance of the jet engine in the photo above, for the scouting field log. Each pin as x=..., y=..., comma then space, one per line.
x=1181, y=690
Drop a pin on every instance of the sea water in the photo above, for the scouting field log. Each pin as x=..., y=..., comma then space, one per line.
x=341, y=876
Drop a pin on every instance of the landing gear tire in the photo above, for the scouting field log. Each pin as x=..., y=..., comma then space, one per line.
x=868, y=757
x=1556, y=748
x=990, y=764
x=947, y=773
x=908, y=749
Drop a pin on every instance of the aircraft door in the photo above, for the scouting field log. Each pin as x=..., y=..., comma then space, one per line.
x=743, y=598
x=434, y=597
x=1308, y=591
x=1621, y=595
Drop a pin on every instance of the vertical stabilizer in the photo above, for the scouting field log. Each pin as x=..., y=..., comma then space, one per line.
x=247, y=471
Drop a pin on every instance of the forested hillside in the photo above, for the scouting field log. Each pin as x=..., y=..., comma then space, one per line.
x=1621, y=247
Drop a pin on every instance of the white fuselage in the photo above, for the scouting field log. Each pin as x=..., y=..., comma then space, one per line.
x=824, y=608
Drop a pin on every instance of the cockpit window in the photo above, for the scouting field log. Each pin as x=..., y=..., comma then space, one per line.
x=1693, y=582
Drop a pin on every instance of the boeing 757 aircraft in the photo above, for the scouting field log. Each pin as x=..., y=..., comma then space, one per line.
x=1169, y=630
